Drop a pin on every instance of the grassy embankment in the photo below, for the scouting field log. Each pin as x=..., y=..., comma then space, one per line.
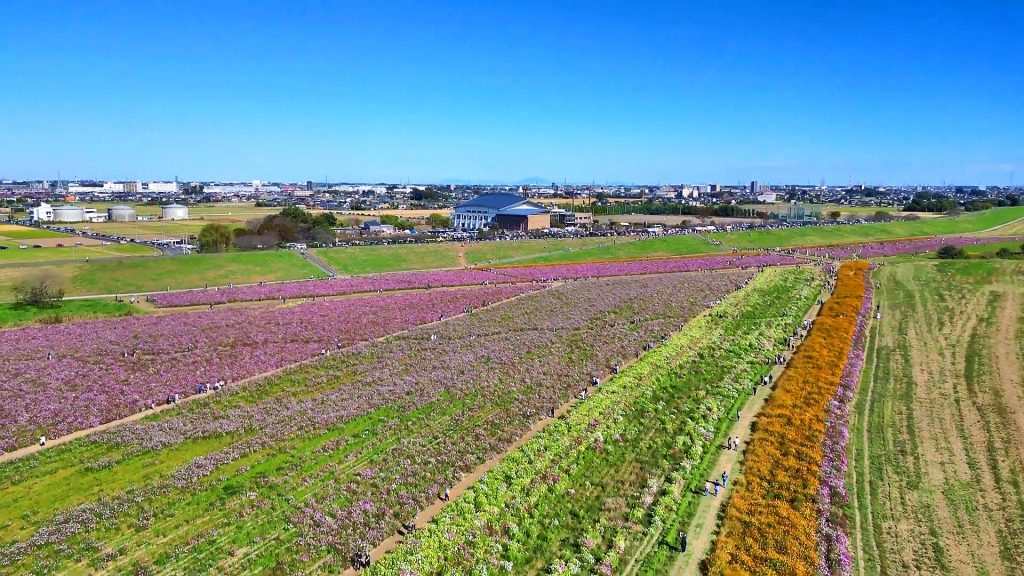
x=937, y=442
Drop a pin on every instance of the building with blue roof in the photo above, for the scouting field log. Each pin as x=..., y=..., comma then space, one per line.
x=501, y=211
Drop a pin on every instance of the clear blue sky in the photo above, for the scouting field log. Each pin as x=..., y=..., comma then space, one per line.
x=888, y=92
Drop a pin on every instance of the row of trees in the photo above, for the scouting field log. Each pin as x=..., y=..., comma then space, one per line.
x=932, y=202
x=292, y=224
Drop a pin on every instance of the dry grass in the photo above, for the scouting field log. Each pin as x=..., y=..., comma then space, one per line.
x=937, y=449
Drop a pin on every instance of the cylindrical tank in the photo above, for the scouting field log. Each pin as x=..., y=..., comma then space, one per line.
x=122, y=213
x=175, y=212
x=68, y=214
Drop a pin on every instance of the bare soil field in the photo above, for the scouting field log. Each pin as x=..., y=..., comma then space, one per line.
x=937, y=442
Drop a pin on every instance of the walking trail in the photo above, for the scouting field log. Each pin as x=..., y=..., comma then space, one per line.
x=705, y=523
x=425, y=516
x=740, y=429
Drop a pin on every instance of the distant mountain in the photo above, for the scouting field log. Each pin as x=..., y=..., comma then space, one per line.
x=533, y=181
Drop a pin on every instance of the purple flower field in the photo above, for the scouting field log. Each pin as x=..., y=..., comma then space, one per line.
x=89, y=380
x=331, y=287
x=443, y=278
x=660, y=266
x=321, y=460
x=896, y=247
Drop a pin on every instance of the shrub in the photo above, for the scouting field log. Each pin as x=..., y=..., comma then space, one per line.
x=39, y=294
x=950, y=252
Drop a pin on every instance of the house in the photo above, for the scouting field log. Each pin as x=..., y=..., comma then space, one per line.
x=375, y=227
x=501, y=210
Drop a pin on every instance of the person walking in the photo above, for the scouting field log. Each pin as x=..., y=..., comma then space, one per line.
x=682, y=542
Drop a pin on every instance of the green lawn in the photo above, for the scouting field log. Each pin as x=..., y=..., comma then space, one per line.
x=482, y=252
x=26, y=233
x=626, y=248
x=991, y=249
x=128, y=275
x=15, y=254
x=968, y=223
x=394, y=258
x=12, y=314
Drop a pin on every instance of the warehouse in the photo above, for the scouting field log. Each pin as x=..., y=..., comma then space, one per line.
x=504, y=211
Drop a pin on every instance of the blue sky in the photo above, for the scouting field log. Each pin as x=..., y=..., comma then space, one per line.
x=788, y=92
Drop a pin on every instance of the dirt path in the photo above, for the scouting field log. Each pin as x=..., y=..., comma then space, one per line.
x=1007, y=354
x=1011, y=224
x=427, y=514
x=461, y=253
x=866, y=387
x=704, y=526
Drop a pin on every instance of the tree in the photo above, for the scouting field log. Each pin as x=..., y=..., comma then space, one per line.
x=954, y=211
x=1003, y=252
x=439, y=221
x=398, y=223
x=950, y=252
x=215, y=238
x=835, y=214
x=39, y=294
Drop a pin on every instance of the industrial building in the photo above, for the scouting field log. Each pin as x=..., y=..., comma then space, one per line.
x=502, y=211
x=174, y=212
x=68, y=213
x=41, y=213
x=122, y=213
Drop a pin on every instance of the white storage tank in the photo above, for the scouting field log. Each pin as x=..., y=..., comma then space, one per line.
x=122, y=213
x=175, y=212
x=68, y=214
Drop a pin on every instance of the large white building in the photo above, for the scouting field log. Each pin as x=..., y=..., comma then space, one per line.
x=41, y=213
x=506, y=211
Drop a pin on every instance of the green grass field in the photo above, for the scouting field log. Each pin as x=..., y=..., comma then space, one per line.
x=482, y=252
x=968, y=223
x=394, y=258
x=936, y=441
x=130, y=275
x=626, y=248
x=25, y=233
x=12, y=314
x=15, y=254
x=133, y=275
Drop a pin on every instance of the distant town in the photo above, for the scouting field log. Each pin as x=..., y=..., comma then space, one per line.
x=178, y=217
x=19, y=195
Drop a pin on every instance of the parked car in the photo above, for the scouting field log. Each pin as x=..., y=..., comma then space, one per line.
x=60, y=245
x=22, y=247
x=37, y=245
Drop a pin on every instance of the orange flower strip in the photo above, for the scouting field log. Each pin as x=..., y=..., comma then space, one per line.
x=770, y=524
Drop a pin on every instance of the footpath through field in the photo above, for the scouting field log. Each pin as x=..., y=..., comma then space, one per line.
x=705, y=523
x=748, y=412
